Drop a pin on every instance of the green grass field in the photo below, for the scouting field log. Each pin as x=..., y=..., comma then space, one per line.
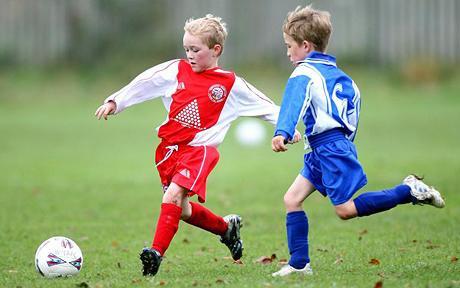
x=64, y=173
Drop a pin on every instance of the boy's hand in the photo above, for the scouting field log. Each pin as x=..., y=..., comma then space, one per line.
x=297, y=137
x=278, y=144
x=105, y=110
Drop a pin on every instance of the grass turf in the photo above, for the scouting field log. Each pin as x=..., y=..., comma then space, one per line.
x=64, y=173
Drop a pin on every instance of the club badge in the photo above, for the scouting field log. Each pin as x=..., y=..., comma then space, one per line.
x=217, y=93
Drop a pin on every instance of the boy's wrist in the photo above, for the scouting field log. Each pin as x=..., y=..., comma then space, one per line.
x=284, y=134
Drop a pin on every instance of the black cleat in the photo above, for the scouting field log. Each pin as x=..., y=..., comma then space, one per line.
x=231, y=238
x=151, y=260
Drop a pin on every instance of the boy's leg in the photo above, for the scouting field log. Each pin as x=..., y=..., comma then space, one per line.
x=297, y=227
x=205, y=219
x=374, y=202
x=168, y=223
x=227, y=227
x=413, y=190
x=170, y=214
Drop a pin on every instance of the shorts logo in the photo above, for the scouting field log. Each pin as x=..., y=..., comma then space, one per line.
x=185, y=173
x=217, y=93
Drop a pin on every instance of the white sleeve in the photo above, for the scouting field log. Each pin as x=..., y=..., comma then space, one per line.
x=252, y=102
x=150, y=84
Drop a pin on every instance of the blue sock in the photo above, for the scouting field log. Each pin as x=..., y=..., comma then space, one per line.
x=297, y=235
x=373, y=202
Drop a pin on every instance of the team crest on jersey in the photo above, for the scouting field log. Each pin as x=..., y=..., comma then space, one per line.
x=217, y=93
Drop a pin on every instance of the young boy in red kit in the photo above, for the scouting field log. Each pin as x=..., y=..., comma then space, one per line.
x=202, y=100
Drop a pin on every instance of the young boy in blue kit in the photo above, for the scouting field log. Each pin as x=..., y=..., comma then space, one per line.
x=328, y=102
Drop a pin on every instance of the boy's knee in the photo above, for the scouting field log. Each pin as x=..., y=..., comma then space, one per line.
x=291, y=203
x=185, y=215
x=344, y=215
x=345, y=211
x=186, y=212
x=174, y=195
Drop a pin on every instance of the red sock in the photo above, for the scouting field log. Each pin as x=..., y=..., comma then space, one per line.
x=203, y=217
x=167, y=226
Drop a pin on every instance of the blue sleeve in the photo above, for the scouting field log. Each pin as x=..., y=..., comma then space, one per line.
x=291, y=106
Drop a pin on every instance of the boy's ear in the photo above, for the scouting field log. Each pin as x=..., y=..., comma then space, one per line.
x=217, y=50
x=308, y=46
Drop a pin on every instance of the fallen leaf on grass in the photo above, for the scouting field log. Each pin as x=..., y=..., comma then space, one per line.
x=378, y=284
x=239, y=262
x=453, y=259
x=83, y=285
x=432, y=246
x=119, y=265
x=374, y=261
x=36, y=191
x=220, y=281
x=162, y=283
x=185, y=241
x=338, y=261
x=363, y=232
x=282, y=262
x=136, y=280
x=265, y=259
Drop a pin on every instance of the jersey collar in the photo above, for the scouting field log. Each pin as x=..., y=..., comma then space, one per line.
x=319, y=58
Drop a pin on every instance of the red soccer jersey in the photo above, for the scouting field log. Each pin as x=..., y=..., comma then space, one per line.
x=201, y=106
x=197, y=102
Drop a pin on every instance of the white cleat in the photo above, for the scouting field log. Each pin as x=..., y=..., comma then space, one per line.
x=423, y=193
x=288, y=269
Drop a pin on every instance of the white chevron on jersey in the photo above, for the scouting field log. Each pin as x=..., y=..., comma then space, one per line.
x=190, y=116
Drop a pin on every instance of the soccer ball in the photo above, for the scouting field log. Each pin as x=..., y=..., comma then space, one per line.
x=58, y=257
x=250, y=132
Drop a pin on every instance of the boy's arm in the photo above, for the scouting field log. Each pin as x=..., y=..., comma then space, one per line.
x=150, y=84
x=295, y=100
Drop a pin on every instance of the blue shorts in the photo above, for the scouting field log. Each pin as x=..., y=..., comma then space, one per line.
x=333, y=168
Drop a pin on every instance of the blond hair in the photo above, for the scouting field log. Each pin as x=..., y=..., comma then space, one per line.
x=309, y=24
x=211, y=29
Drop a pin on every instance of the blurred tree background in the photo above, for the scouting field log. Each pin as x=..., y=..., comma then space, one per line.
x=420, y=35
x=64, y=173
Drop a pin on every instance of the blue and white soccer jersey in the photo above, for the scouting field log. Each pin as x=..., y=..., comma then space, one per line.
x=328, y=102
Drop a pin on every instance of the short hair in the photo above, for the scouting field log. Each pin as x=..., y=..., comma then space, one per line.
x=309, y=24
x=210, y=28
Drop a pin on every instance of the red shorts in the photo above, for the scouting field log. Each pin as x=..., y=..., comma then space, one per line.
x=187, y=166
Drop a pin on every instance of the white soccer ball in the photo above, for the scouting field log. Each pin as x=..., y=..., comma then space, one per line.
x=250, y=132
x=58, y=257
